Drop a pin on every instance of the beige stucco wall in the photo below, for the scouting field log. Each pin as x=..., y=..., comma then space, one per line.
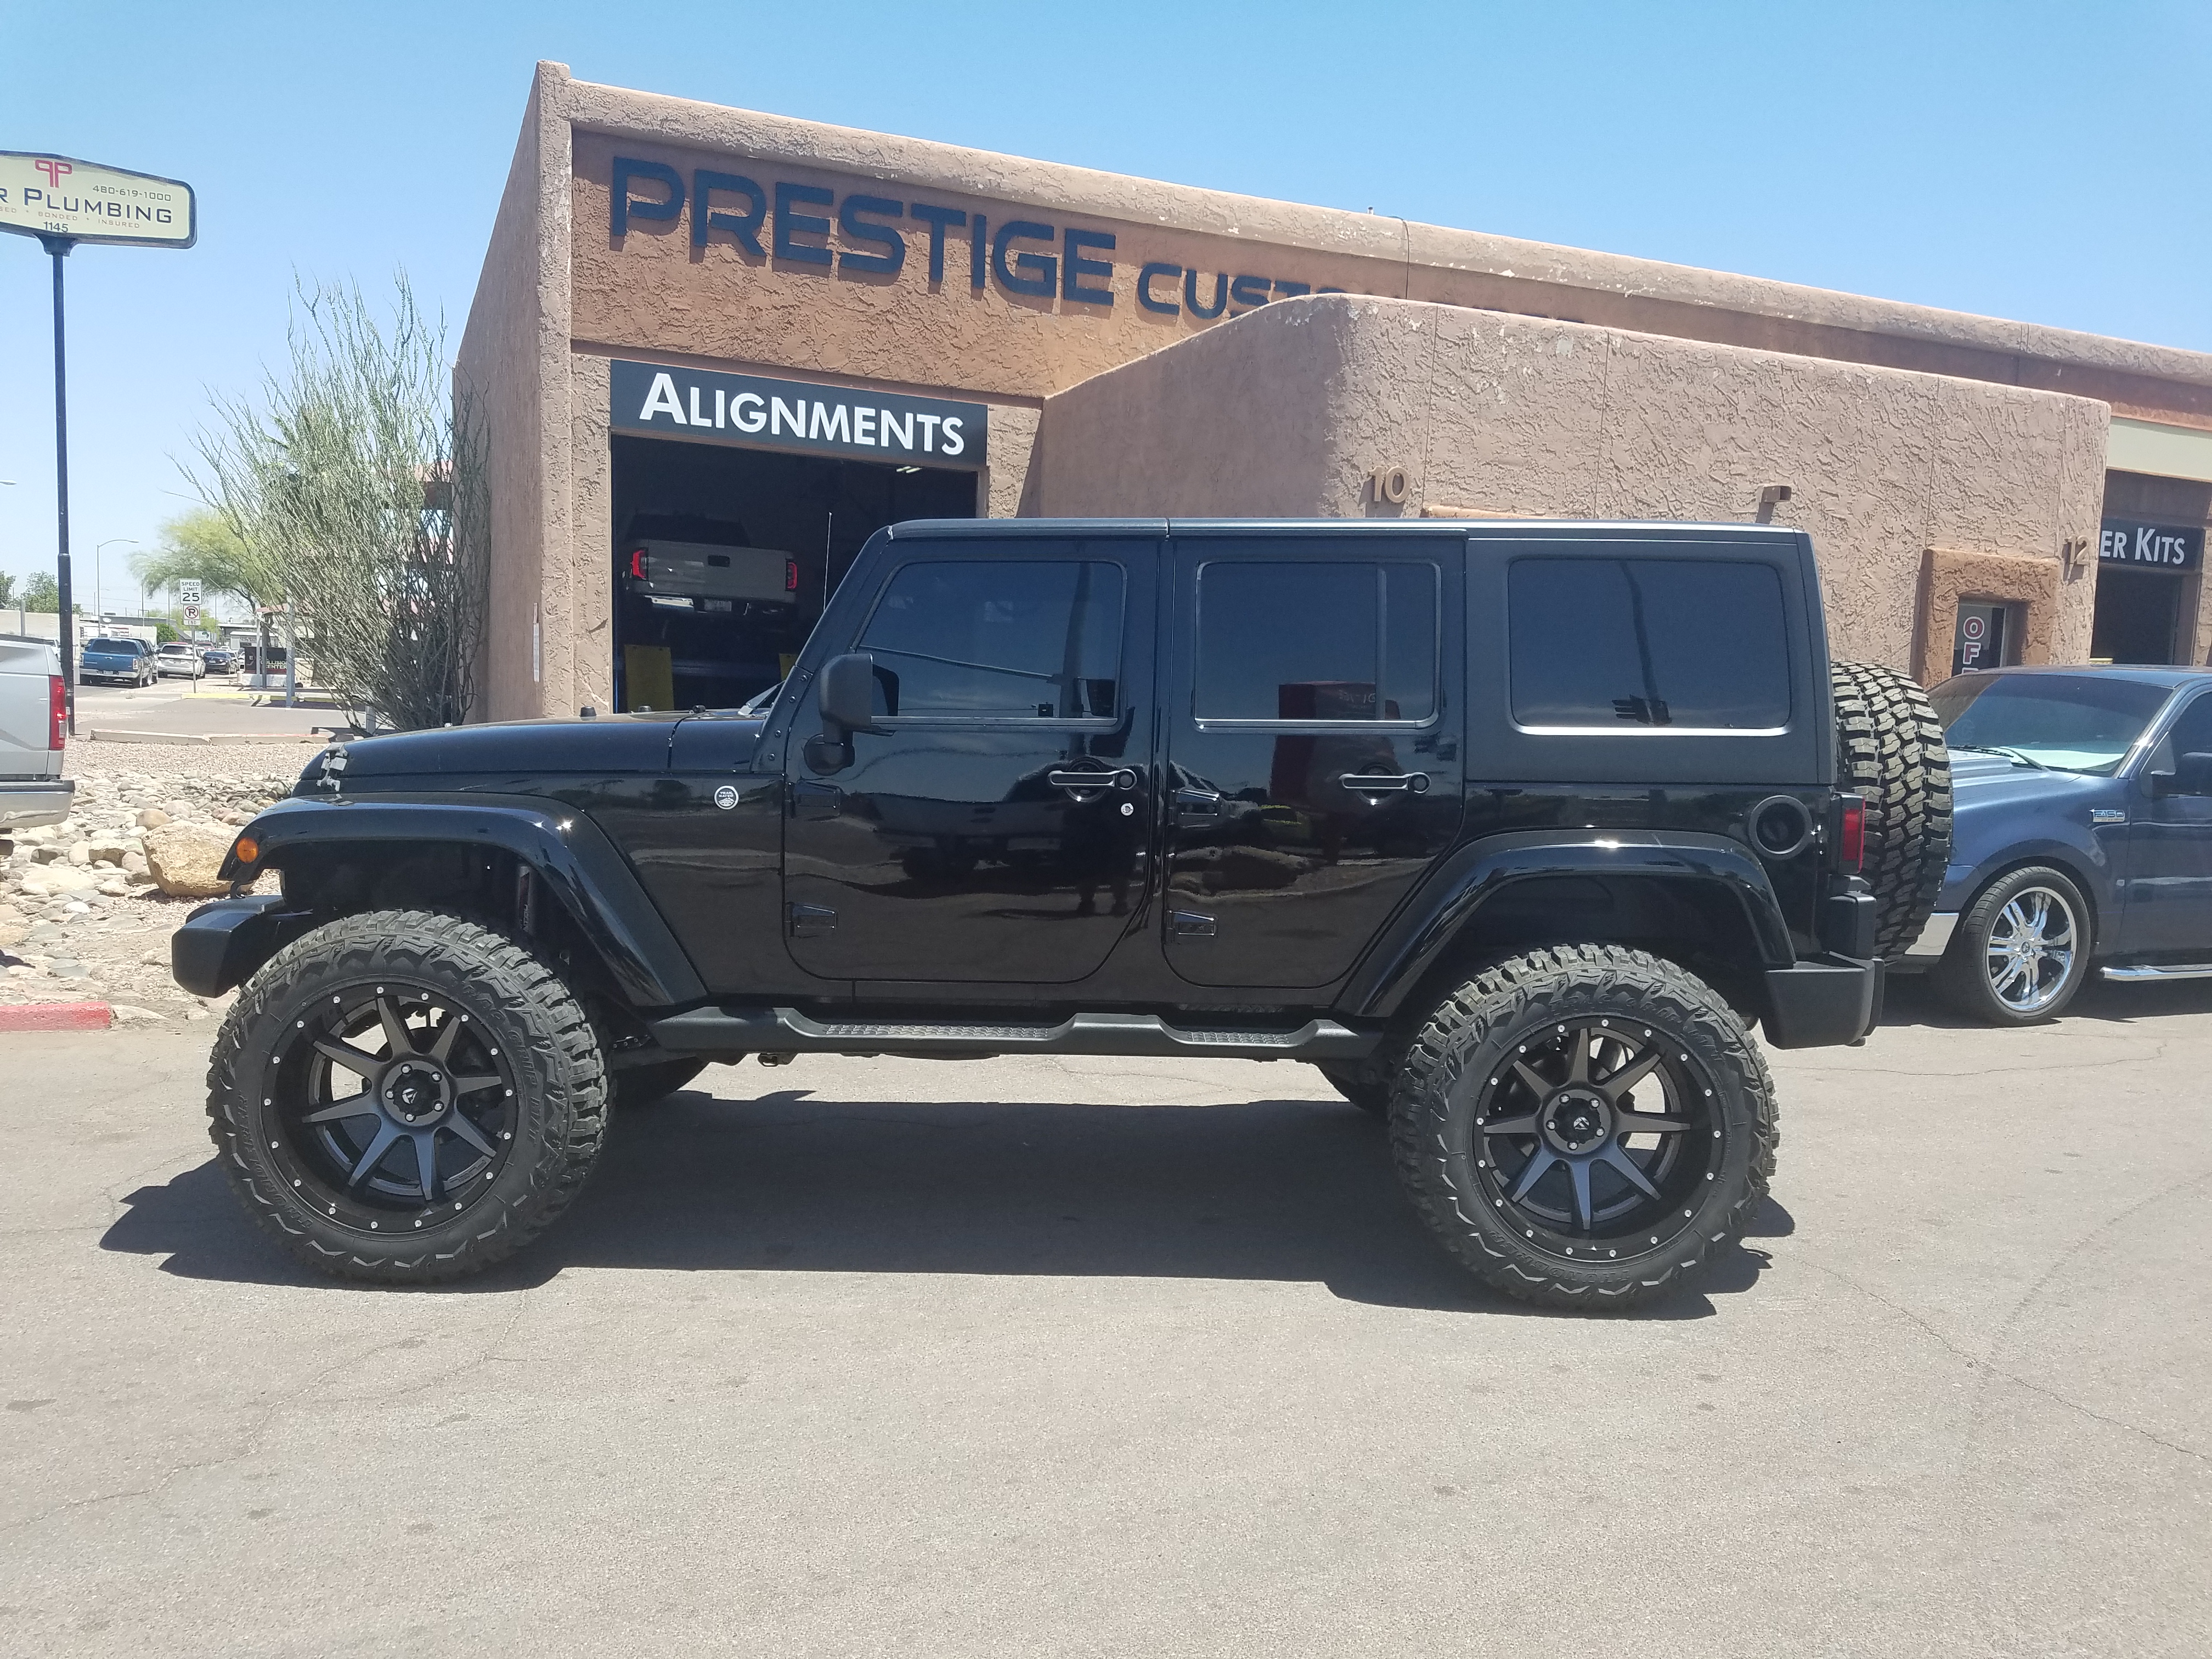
x=1627, y=414
x=1290, y=411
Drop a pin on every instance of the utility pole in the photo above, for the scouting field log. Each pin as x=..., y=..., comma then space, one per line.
x=59, y=246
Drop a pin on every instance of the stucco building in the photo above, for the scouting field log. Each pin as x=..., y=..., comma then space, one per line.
x=703, y=329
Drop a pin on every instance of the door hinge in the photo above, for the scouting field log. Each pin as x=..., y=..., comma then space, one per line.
x=812, y=920
x=1189, y=924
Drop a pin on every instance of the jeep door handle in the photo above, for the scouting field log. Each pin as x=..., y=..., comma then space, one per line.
x=1385, y=783
x=1089, y=786
x=1197, y=808
x=810, y=799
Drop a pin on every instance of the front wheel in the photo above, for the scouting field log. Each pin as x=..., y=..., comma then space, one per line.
x=404, y=1097
x=2021, y=951
x=1581, y=1126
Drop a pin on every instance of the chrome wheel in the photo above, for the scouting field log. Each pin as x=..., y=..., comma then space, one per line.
x=2033, y=941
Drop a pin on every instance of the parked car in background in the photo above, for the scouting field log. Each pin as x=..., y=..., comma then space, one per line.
x=33, y=721
x=2082, y=836
x=218, y=658
x=116, y=660
x=178, y=658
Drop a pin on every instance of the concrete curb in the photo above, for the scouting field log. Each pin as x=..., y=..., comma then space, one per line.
x=57, y=1017
x=109, y=734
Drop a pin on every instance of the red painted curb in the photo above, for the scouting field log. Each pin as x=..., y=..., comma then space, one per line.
x=57, y=1017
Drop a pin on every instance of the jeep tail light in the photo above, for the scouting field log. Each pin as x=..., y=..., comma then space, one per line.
x=791, y=575
x=1851, y=841
x=57, y=711
x=637, y=564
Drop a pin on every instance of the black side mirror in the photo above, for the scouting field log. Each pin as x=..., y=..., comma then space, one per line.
x=848, y=703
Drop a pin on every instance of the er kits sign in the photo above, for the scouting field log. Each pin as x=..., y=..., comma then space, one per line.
x=2152, y=546
x=798, y=415
x=54, y=196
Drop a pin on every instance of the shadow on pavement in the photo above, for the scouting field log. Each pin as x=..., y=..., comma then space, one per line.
x=1910, y=1000
x=1276, y=1190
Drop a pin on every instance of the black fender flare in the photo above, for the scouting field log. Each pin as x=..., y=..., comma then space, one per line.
x=581, y=868
x=1458, y=889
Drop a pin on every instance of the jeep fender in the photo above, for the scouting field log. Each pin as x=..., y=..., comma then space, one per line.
x=579, y=867
x=1450, y=900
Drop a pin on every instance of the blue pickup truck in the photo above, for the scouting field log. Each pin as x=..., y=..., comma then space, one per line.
x=118, y=659
x=2082, y=836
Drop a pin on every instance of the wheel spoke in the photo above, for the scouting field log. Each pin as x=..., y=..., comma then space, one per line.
x=448, y=1035
x=1578, y=1055
x=1616, y=1157
x=1624, y=1078
x=378, y=1147
x=1529, y=1076
x=1648, y=1123
x=395, y=1028
x=459, y=1124
x=345, y=1054
x=474, y=1081
x=1578, y=1171
x=1542, y=1159
x=359, y=1105
x=1508, y=1126
x=426, y=1162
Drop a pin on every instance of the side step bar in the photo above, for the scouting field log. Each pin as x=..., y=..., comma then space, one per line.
x=786, y=1030
x=2141, y=971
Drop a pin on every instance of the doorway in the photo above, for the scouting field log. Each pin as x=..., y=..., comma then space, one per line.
x=2138, y=616
x=723, y=558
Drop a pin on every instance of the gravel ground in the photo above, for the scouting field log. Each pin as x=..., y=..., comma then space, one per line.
x=111, y=943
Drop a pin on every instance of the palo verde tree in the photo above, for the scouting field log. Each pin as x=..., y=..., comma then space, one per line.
x=200, y=545
x=357, y=476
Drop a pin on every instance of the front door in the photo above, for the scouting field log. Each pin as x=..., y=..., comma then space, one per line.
x=996, y=828
x=1312, y=746
x=2169, y=857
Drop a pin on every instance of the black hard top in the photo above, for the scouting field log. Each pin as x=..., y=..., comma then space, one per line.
x=1593, y=529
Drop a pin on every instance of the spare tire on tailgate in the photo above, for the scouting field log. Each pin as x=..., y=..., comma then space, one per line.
x=1889, y=749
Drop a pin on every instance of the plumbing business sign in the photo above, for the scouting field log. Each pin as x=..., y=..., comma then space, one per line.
x=83, y=202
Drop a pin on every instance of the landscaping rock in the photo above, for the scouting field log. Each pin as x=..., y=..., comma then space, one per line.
x=152, y=818
x=184, y=857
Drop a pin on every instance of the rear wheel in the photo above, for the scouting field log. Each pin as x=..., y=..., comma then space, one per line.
x=1581, y=1126
x=1890, y=751
x=2021, y=951
x=404, y=1097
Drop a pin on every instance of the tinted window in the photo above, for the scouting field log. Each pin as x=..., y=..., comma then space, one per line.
x=1317, y=641
x=111, y=645
x=1038, y=640
x=1610, y=644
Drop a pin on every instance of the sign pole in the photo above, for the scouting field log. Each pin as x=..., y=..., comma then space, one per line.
x=59, y=247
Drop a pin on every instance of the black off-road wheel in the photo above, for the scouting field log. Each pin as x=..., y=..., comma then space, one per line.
x=647, y=1086
x=1583, y=1127
x=1890, y=750
x=405, y=1098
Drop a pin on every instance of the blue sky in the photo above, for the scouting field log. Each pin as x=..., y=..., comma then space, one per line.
x=2032, y=160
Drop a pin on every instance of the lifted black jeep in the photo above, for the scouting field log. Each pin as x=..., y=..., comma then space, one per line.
x=1513, y=829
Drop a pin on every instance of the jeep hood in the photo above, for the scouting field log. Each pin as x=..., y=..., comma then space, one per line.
x=491, y=756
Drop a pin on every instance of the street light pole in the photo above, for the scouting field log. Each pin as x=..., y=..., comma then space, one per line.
x=59, y=247
x=99, y=587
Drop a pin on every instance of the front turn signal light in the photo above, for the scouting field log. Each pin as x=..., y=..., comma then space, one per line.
x=245, y=849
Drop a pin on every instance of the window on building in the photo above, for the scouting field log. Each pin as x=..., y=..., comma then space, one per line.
x=999, y=640
x=1611, y=644
x=1314, y=640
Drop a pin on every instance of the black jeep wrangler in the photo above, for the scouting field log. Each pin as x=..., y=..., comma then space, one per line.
x=1513, y=829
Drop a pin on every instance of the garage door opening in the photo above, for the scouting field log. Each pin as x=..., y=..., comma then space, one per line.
x=2138, y=616
x=723, y=558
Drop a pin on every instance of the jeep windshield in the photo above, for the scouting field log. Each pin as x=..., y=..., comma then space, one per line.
x=2061, y=722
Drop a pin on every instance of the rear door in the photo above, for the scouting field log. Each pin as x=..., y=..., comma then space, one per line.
x=1313, y=770
x=996, y=829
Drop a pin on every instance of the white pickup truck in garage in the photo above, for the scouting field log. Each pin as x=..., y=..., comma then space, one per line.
x=34, y=714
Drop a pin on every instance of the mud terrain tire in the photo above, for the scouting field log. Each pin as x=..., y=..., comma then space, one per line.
x=1500, y=1050
x=1890, y=751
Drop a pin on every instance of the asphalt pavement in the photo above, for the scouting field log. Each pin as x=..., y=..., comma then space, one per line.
x=196, y=707
x=1126, y=1358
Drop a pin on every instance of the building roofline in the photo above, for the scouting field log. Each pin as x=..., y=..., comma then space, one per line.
x=656, y=117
